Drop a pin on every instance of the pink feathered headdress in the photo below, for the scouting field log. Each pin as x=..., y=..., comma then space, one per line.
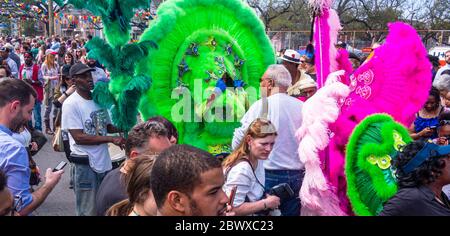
x=395, y=81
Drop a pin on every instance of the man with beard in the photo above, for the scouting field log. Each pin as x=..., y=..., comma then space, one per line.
x=187, y=181
x=97, y=73
x=32, y=74
x=88, y=125
x=17, y=100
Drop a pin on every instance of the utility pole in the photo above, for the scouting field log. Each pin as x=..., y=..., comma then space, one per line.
x=51, y=27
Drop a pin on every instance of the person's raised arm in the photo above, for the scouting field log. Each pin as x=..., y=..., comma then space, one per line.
x=51, y=179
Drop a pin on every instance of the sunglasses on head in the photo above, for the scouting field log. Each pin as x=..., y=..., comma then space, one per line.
x=267, y=126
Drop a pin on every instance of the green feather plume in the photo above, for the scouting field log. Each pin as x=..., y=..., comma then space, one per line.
x=102, y=51
x=116, y=16
x=201, y=40
x=126, y=110
x=102, y=96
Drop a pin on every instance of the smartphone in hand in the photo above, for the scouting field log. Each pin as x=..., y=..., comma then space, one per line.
x=60, y=166
x=232, y=195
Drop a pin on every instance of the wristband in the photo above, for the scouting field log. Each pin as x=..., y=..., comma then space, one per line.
x=67, y=95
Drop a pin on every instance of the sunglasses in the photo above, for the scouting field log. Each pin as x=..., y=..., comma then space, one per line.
x=444, y=122
x=267, y=126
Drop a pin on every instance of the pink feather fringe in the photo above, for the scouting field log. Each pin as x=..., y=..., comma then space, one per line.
x=335, y=26
x=317, y=197
x=395, y=81
x=327, y=27
x=344, y=63
x=320, y=4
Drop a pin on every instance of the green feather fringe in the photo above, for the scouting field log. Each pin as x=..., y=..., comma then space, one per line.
x=368, y=186
x=182, y=22
x=125, y=113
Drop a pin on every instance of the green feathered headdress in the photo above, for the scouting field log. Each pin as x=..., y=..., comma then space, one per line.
x=200, y=42
x=370, y=176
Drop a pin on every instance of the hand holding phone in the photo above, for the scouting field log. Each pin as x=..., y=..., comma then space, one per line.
x=60, y=166
x=232, y=195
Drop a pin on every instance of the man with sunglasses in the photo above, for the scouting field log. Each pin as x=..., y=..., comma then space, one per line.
x=285, y=112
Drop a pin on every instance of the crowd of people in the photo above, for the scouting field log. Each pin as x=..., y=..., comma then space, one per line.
x=262, y=175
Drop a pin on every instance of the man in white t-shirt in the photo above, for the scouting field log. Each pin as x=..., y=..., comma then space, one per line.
x=285, y=112
x=88, y=125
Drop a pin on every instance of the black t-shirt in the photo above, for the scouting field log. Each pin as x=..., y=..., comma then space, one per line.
x=112, y=190
x=419, y=201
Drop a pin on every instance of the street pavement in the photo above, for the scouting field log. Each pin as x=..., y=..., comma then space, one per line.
x=61, y=201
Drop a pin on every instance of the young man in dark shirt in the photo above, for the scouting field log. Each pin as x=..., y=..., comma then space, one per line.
x=150, y=136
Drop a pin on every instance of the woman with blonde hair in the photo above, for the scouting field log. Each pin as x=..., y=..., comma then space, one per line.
x=244, y=168
x=140, y=200
x=50, y=72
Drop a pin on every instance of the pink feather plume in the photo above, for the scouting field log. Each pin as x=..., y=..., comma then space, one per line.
x=327, y=27
x=317, y=196
x=395, y=81
x=319, y=5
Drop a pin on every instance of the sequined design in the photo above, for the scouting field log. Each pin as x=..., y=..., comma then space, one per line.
x=365, y=92
x=398, y=141
x=383, y=162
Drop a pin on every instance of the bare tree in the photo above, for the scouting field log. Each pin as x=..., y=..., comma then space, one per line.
x=370, y=15
x=270, y=10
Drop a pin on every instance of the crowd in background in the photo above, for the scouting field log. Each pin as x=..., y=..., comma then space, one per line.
x=159, y=176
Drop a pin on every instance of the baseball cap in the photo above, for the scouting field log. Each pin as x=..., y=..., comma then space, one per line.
x=49, y=51
x=65, y=70
x=428, y=151
x=79, y=69
x=291, y=56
